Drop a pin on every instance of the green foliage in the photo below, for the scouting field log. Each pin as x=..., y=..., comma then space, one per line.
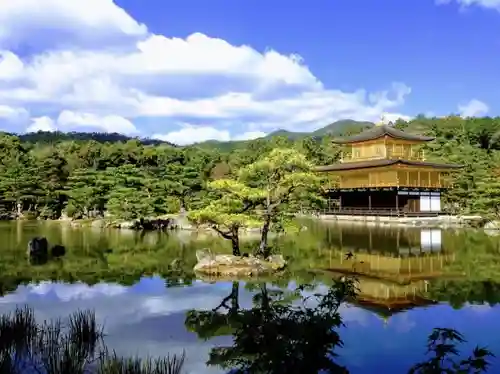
x=264, y=193
x=442, y=345
x=84, y=175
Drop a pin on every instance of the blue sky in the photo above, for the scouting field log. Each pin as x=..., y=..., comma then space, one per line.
x=193, y=70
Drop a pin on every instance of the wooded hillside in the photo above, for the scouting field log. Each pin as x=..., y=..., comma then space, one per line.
x=129, y=178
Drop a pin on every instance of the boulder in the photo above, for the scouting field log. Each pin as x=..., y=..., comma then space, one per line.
x=492, y=225
x=38, y=246
x=58, y=251
x=204, y=254
x=277, y=262
x=236, y=266
x=160, y=224
x=128, y=225
x=98, y=223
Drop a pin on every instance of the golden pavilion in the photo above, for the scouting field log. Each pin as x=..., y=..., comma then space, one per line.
x=384, y=170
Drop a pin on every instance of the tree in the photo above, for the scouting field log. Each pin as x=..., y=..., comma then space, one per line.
x=264, y=192
x=182, y=173
x=130, y=195
x=231, y=211
x=87, y=191
x=280, y=180
x=18, y=182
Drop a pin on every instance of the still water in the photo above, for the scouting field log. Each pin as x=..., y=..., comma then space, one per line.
x=141, y=287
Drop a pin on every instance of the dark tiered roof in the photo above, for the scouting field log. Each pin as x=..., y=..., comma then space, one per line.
x=379, y=131
x=388, y=308
x=383, y=162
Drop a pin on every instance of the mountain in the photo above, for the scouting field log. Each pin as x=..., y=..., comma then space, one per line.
x=288, y=134
x=100, y=137
x=335, y=128
x=47, y=137
x=341, y=126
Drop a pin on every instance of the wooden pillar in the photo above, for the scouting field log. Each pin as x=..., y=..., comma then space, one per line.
x=397, y=200
x=340, y=201
x=369, y=200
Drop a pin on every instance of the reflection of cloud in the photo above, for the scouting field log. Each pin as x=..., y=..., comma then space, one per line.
x=148, y=319
x=402, y=323
x=130, y=314
x=77, y=290
x=478, y=308
x=353, y=314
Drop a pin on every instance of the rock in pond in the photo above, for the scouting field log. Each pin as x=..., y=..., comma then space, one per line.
x=236, y=266
x=492, y=225
x=38, y=247
x=58, y=251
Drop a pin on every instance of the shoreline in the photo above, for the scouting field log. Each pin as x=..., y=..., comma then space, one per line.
x=444, y=221
x=175, y=222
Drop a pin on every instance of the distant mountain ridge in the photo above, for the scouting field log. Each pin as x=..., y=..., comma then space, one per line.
x=331, y=129
x=100, y=137
x=48, y=137
x=335, y=128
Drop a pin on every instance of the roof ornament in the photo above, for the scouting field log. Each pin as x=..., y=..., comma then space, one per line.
x=382, y=120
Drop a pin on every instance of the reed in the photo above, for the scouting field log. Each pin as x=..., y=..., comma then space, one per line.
x=74, y=345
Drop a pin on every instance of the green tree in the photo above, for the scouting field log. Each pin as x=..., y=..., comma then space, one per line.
x=232, y=210
x=279, y=180
x=130, y=195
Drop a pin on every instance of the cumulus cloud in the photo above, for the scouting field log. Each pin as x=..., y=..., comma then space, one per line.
x=68, y=120
x=94, y=66
x=473, y=108
x=43, y=123
x=189, y=134
x=8, y=113
x=74, y=22
x=489, y=4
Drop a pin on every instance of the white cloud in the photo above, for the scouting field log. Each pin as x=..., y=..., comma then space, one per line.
x=109, y=123
x=10, y=113
x=393, y=117
x=194, y=134
x=189, y=134
x=107, y=70
x=473, y=108
x=43, y=123
x=79, y=20
x=68, y=120
x=489, y=4
x=250, y=135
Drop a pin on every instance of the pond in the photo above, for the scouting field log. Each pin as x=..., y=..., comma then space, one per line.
x=142, y=288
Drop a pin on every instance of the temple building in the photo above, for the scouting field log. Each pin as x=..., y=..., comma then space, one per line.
x=384, y=171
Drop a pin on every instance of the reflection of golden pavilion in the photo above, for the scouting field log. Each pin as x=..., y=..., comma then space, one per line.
x=395, y=254
x=392, y=265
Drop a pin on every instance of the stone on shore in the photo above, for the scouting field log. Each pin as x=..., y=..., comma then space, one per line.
x=492, y=225
x=236, y=266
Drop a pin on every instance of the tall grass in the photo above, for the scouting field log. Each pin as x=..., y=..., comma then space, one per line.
x=71, y=346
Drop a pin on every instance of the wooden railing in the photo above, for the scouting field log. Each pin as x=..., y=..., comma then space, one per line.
x=422, y=184
x=390, y=212
x=389, y=154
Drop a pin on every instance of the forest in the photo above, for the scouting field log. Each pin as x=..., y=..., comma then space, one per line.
x=47, y=176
